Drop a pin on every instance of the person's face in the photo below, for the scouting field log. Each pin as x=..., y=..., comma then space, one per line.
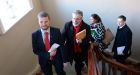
x=92, y=20
x=44, y=22
x=76, y=19
x=120, y=22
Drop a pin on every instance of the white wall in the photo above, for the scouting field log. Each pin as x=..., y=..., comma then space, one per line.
x=109, y=10
x=16, y=56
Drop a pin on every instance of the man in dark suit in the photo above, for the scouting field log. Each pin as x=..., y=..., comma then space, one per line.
x=42, y=41
x=76, y=49
x=123, y=40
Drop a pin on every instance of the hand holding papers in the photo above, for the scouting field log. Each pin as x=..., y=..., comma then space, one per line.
x=54, y=47
x=120, y=50
x=81, y=35
x=78, y=41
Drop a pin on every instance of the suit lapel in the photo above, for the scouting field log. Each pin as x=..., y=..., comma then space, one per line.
x=82, y=27
x=41, y=38
x=72, y=30
x=51, y=35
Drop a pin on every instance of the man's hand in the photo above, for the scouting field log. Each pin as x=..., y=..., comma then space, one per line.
x=78, y=41
x=66, y=64
x=53, y=53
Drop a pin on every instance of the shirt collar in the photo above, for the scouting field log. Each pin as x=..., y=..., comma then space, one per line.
x=121, y=26
x=43, y=31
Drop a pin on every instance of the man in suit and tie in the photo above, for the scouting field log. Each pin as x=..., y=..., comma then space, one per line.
x=42, y=41
x=123, y=40
x=76, y=49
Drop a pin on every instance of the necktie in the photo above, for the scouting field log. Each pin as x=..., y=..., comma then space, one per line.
x=47, y=43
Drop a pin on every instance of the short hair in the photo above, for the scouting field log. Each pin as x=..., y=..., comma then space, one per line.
x=122, y=17
x=43, y=14
x=78, y=12
x=96, y=17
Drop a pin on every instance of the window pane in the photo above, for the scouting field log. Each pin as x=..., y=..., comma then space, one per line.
x=12, y=11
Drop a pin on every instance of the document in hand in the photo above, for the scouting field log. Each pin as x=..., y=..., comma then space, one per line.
x=54, y=47
x=93, y=32
x=81, y=35
x=120, y=50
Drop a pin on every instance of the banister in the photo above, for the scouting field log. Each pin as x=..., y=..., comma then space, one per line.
x=114, y=66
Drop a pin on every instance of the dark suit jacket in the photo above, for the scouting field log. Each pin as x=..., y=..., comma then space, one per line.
x=39, y=46
x=123, y=38
x=68, y=38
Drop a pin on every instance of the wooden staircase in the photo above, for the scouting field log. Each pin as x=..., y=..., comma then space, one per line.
x=101, y=63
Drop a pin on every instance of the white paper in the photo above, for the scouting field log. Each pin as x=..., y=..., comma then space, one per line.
x=54, y=47
x=120, y=50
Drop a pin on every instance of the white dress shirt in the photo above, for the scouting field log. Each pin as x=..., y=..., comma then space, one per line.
x=43, y=34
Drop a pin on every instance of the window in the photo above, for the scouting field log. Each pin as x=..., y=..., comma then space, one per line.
x=12, y=11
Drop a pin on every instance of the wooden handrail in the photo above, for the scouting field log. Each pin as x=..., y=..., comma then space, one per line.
x=93, y=69
x=109, y=66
